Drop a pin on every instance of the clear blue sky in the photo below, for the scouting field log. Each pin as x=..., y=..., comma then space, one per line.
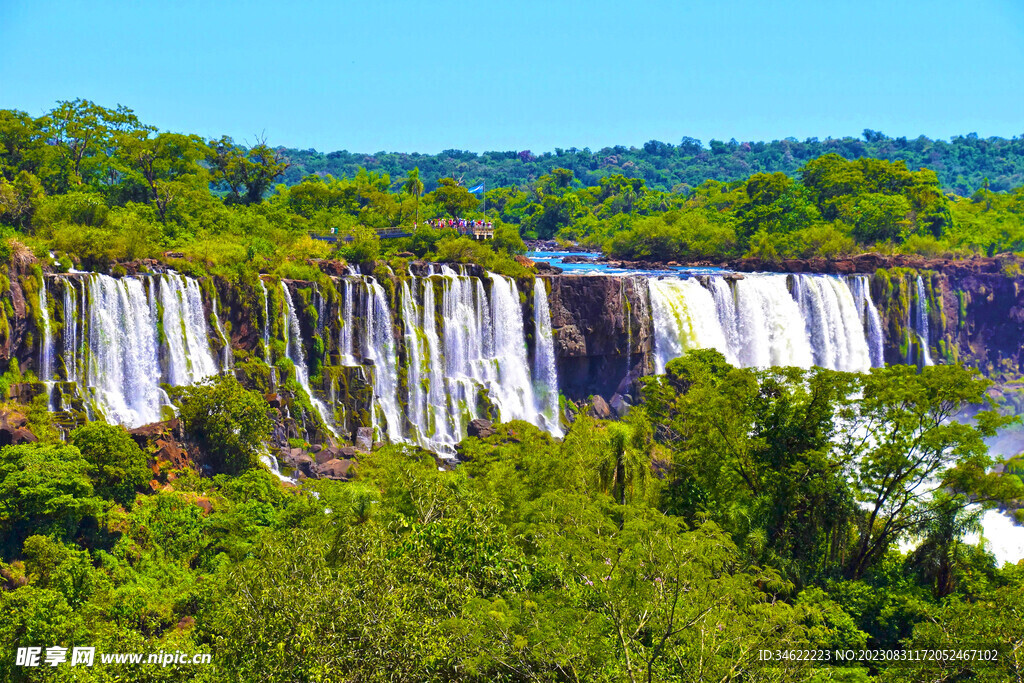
x=426, y=76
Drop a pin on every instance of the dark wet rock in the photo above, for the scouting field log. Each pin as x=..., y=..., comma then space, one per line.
x=19, y=436
x=620, y=405
x=301, y=463
x=146, y=433
x=335, y=469
x=547, y=268
x=599, y=408
x=480, y=428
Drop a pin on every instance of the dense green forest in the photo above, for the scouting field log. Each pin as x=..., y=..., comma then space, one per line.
x=648, y=549
x=99, y=185
x=731, y=511
x=964, y=165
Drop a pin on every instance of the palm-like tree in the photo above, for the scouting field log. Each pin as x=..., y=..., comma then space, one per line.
x=627, y=466
x=414, y=186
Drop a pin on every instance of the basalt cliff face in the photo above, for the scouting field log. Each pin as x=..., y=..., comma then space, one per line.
x=604, y=333
x=417, y=356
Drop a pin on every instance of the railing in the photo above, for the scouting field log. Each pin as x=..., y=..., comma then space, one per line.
x=480, y=232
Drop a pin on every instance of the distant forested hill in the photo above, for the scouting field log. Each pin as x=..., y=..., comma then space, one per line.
x=963, y=164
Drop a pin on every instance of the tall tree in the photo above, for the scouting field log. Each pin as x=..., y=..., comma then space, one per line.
x=85, y=134
x=903, y=448
x=246, y=173
x=413, y=186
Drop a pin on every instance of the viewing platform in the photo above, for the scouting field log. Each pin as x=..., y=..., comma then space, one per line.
x=478, y=230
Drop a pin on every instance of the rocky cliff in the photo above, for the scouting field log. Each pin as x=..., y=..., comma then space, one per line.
x=603, y=330
x=604, y=333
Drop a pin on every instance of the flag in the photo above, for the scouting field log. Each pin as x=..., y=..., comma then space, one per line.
x=478, y=188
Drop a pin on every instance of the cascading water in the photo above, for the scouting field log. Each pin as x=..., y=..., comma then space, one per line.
x=833, y=326
x=347, y=325
x=266, y=322
x=46, y=355
x=872, y=322
x=544, y=371
x=227, y=356
x=512, y=386
x=468, y=341
x=379, y=349
x=70, y=355
x=416, y=396
x=759, y=322
x=921, y=323
x=122, y=367
x=462, y=340
x=293, y=346
x=685, y=317
x=184, y=323
x=440, y=420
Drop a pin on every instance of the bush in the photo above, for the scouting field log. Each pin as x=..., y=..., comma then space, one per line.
x=120, y=468
x=44, y=490
x=227, y=421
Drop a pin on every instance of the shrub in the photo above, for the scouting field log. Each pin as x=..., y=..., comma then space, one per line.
x=227, y=421
x=120, y=466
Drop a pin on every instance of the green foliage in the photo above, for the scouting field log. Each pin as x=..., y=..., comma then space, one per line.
x=228, y=422
x=964, y=162
x=100, y=186
x=120, y=467
x=454, y=199
x=44, y=489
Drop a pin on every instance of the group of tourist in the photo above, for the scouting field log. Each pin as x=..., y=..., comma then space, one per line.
x=461, y=224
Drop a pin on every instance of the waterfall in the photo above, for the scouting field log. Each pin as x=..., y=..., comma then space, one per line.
x=321, y=304
x=129, y=334
x=271, y=464
x=347, y=323
x=184, y=326
x=293, y=348
x=227, y=359
x=46, y=353
x=759, y=321
x=833, y=325
x=440, y=419
x=266, y=323
x=511, y=387
x=870, y=319
x=922, y=322
x=416, y=396
x=70, y=330
x=123, y=370
x=685, y=317
x=544, y=371
x=379, y=348
x=468, y=341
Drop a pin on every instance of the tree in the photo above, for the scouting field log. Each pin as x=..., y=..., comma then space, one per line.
x=247, y=173
x=941, y=554
x=453, y=198
x=44, y=489
x=120, y=468
x=85, y=134
x=413, y=186
x=229, y=422
x=626, y=467
x=879, y=218
x=902, y=447
x=167, y=164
